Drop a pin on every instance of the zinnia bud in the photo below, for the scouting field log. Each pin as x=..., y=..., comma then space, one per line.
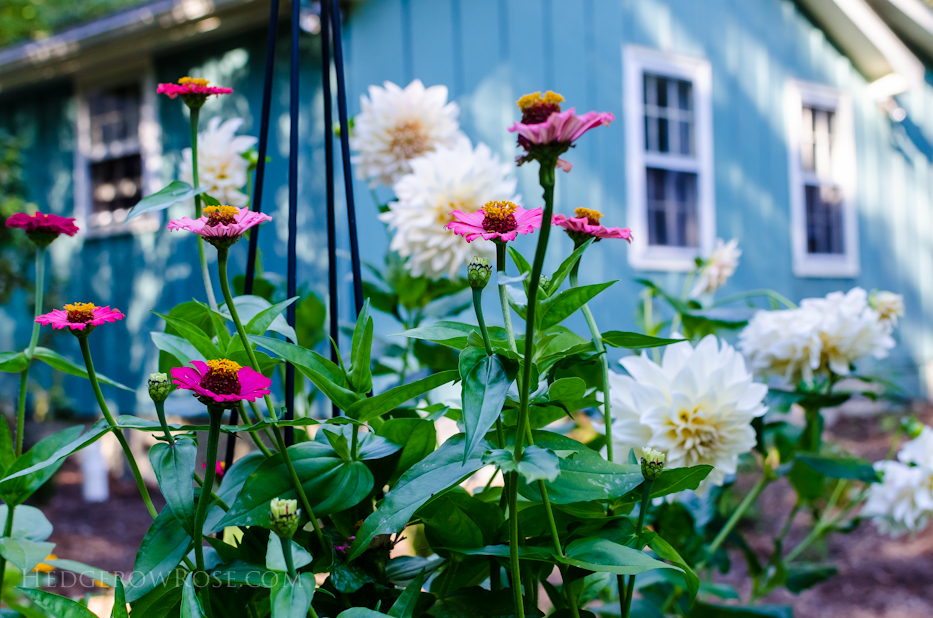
x=478, y=272
x=160, y=387
x=652, y=463
x=544, y=283
x=283, y=515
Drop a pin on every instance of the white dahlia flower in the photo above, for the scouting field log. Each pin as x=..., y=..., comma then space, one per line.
x=220, y=164
x=718, y=268
x=696, y=406
x=919, y=451
x=889, y=306
x=823, y=334
x=903, y=501
x=397, y=125
x=447, y=179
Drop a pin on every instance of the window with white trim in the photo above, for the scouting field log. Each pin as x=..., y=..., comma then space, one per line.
x=668, y=126
x=824, y=227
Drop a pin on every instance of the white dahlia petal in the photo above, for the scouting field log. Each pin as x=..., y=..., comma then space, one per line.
x=221, y=167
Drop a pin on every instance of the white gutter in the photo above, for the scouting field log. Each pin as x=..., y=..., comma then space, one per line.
x=911, y=19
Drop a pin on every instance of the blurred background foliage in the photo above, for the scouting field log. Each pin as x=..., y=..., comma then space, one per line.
x=22, y=20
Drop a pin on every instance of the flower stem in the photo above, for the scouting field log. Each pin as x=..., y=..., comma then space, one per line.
x=289, y=561
x=33, y=340
x=302, y=497
x=92, y=376
x=504, y=295
x=478, y=307
x=603, y=361
x=160, y=411
x=642, y=512
x=512, y=484
x=205, y=273
x=213, y=438
x=736, y=516
x=822, y=524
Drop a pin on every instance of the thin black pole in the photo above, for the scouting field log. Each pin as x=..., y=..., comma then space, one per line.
x=329, y=176
x=345, y=151
x=292, y=213
x=256, y=203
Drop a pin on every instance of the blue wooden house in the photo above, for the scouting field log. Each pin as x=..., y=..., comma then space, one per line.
x=801, y=127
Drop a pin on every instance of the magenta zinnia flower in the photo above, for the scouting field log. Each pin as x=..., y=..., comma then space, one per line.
x=80, y=316
x=193, y=91
x=585, y=225
x=221, y=382
x=42, y=229
x=220, y=225
x=496, y=221
x=545, y=127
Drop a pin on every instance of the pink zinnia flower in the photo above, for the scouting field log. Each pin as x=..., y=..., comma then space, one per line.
x=544, y=125
x=585, y=225
x=496, y=221
x=221, y=382
x=193, y=91
x=219, y=468
x=220, y=225
x=42, y=229
x=80, y=316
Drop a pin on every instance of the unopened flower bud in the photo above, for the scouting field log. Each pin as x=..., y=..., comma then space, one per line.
x=772, y=461
x=652, y=463
x=283, y=515
x=478, y=272
x=160, y=387
x=912, y=427
x=544, y=283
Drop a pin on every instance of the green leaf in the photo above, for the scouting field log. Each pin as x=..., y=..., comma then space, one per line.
x=567, y=265
x=705, y=610
x=13, y=362
x=32, y=469
x=28, y=523
x=337, y=441
x=162, y=549
x=275, y=559
x=66, y=365
x=330, y=483
x=7, y=453
x=361, y=612
x=475, y=602
x=177, y=346
x=840, y=467
x=248, y=307
x=556, y=309
x=174, y=467
x=438, y=471
x=604, y=556
x=800, y=577
x=25, y=554
x=190, y=603
x=57, y=606
x=164, y=600
x=263, y=320
x=404, y=606
x=367, y=409
x=194, y=335
x=634, y=341
x=521, y=264
x=119, y=599
x=418, y=438
x=360, y=372
x=536, y=464
x=455, y=334
x=486, y=381
x=292, y=599
x=84, y=569
x=370, y=445
x=674, y=480
x=175, y=192
x=664, y=550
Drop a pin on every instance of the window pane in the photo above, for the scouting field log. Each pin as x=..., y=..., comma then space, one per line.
x=114, y=115
x=672, y=208
x=824, y=220
x=668, y=115
x=116, y=184
x=816, y=141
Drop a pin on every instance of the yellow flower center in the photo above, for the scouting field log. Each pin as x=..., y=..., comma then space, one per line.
x=221, y=377
x=408, y=139
x=194, y=81
x=695, y=433
x=221, y=215
x=500, y=217
x=592, y=216
x=550, y=99
x=80, y=312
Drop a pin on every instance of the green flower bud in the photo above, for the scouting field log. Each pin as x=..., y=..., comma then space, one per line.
x=544, y=283
x=283, y=515
x=478, y=272
x=652, y=463
x=160, y=387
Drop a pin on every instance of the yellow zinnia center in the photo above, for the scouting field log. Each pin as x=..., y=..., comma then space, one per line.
x=195, y=81
x=500, y=217
x=221, y=215
x=80, y=312
x=535, y=99
x=221, y=377
x=592, y=216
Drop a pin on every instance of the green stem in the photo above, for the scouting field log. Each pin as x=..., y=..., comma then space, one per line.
x=568, y=592
x=160, y=411
x=513, y=547
x=92, y=376
x=604, y=362
x=33, y=340
x=478, y=307
x=289, y=561
x=205, y=273
x=822, y=524
x=504, y=295
x=7, y=532
x=302, y=497
x=213, y=438
x=262, y=447
x=736, y=516
x=642, y=512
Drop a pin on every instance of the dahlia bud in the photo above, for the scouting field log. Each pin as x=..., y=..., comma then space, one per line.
x=283, y=515
x=771, y=463
x=478, y=272
x=912, y=427
x=652, y=463
x=160, y=387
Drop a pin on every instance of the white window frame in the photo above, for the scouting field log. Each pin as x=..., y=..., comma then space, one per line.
x=636, y=61
x=150, y=146
x=805, y=264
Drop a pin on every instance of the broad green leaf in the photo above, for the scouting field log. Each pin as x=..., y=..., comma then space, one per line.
x=361, y=612
x=404, y=606
x=248, y=307
x=369, y=408
x=174, y=468
x=556, y=309
x=173, y=193
x=66, y=365
x=567, y=265
x=664, y=550
x=35, y=460
x=840, y=467
x=25, y=554
x=486, y=381
x=537, y=464
x=194, y=335
x=360, y=373
x=247, y=574
x=275, y=559
x=177, y=346
x=634, y=341
x=602, y=555
x=521, y=264
x=34, y=468
x=263, y=320
x=57, y=606
x=454, y=334
x=13, y=362
x=674, y=480
x=28, y=523
x=526, y=552
x=800, y=577
x=418, y=438
x=292, y=598
x=440, y=470
x=476, y=602
x=119, y=599
x=458, y=520
x=164, y=600
x=85, y=570
x=705, y=610
x=162, y=549
x=330, y=483
x=190, y=603
x=370, y=445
